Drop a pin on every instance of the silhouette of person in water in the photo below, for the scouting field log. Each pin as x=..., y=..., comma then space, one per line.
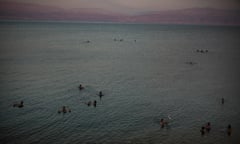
x=222, y=100
x=18, y=105
x=95, y=103
x=208, y=127
x=202, y=130
x=229, y=130
x=100, y=94
x=162, y=123
x=81, y=87
x=64, y=110
x=89, y=103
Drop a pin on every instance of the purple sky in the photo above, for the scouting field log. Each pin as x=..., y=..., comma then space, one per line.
x=137, y=6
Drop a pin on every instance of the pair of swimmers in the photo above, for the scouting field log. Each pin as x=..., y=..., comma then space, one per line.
x=19, y=105
x=118, y=40
x=202, y=51
x=207, y=128
x=90, y=103
x=64, y=110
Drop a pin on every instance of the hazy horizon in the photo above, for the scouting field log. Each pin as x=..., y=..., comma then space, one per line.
x=138, y=11
x=135, y=6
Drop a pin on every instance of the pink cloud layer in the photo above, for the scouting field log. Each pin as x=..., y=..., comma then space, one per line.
x=26, y=11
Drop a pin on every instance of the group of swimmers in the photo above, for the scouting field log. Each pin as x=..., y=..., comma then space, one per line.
x=207, y=127
x=100, y=94
x=65, y=109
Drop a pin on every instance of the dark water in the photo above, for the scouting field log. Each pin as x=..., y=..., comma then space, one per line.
x=143, y=81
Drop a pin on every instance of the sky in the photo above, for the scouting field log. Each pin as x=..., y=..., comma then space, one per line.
x=136, y=6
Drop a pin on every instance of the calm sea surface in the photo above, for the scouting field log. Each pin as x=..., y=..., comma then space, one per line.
x=142, y=81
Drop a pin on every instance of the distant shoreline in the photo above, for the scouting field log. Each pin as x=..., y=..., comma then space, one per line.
x=120, y=23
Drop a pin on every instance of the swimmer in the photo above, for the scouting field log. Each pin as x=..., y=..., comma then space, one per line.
x=89, y=103
x=229, y=130
x=64, y=110
x=222, y=100
x=100, y=94
x=162, y=123
x=191, y=63
x=208, y=127
x=81, y=87
x=95, y=103
x=18, y=105
x=202, y=130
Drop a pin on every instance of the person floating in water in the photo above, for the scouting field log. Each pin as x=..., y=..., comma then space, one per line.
x=191, y=63
x=18, y=105
x=64, y=110
x=222, y=100
x=163, y=123
x=95, y=103
x=229, y=130
x=208, y=127
x=202, y=130
x=81, y=87
x=89, y=103
x=100, y=94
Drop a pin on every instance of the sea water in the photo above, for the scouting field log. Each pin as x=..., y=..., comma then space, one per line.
x=144, y=77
